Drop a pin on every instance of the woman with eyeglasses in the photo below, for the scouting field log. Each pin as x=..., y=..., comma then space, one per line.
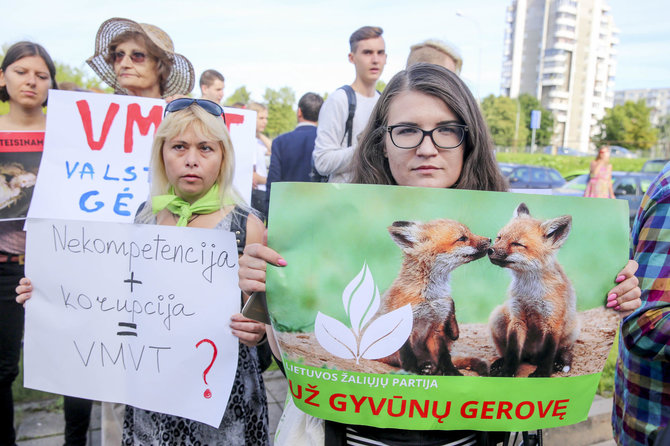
x=138, y=59
x=26, y=75
x=426, y=130
x=192, y=165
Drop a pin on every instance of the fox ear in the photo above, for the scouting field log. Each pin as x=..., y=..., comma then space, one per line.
x=522, y=210
x=403, y=233
x=557, y=230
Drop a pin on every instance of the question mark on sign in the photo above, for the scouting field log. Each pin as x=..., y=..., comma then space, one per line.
x=208, y=393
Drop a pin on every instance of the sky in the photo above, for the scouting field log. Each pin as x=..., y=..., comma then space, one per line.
x=303, y=44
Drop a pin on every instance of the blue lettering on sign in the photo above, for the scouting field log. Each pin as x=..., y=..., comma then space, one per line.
x=107, y=177
x=84, y=198
x=118, y=204
x=131, y=170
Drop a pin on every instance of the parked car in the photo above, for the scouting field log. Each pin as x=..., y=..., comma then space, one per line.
x=629, y=186
x=533, y=177
x=569, y=151
x=621, y=152
x=506, y=168
x=654, y=165
x=574, y=174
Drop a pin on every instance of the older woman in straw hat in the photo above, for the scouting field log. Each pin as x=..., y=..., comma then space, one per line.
x=138, y=59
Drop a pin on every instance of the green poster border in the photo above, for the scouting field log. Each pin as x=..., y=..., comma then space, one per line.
x=562, y=401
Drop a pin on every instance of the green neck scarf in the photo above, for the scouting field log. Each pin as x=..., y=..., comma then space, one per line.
x=206, y=204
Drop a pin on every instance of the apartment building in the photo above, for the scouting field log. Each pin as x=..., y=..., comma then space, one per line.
x=658, y=99
x=564, y=53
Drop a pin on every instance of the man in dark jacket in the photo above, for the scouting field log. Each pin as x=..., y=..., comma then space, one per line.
x=291, y=158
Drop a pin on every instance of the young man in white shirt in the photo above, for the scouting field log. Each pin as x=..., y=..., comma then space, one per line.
x=211, y=85
x=332, y=150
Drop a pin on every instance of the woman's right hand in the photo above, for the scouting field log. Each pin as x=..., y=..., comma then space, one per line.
x=253, y=264
x=24, y=291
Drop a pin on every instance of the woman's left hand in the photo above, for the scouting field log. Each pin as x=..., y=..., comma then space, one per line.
x=625, y=297
x=249, y=331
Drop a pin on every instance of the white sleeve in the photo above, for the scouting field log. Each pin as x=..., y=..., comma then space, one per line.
x=331, y=155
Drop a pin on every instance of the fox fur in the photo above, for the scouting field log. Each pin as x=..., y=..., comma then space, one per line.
x=538, y=323
x=431, y=251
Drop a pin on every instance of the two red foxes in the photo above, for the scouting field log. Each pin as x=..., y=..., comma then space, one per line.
x=538, y=323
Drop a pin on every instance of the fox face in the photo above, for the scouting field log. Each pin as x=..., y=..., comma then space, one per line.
x=443, y=244
x=431, y=251
x=527, y=244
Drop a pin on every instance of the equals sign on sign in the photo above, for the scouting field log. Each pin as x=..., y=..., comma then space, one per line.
x=127, y=325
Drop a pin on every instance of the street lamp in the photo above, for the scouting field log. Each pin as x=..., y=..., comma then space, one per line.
x=459, y=13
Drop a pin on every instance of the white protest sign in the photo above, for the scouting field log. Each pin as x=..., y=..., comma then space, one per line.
x=135, y=314
x=95, y=165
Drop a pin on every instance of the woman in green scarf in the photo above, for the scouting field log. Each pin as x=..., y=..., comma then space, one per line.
x=192, y=165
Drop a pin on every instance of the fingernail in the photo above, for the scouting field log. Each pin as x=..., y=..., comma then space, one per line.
x=620, y=278
x=618, y=307
x=611, y=297
x=612, y=303
x=281, y=262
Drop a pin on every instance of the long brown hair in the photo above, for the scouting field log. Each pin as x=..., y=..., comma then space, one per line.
x=480, y=170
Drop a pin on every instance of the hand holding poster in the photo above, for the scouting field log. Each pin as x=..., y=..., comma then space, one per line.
x=137, y=314
x=434, y=309
x=96, y=155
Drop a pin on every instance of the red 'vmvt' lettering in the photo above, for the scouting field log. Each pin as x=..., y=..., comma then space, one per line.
x=85, y=113
x=135, y=116
x=232, y=118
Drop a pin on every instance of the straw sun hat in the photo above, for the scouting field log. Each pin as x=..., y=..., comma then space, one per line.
x=182, y=76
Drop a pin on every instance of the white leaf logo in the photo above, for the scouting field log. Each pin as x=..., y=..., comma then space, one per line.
x=382, y=336
x=361, y=299
x=367, y=338
x=335, y=337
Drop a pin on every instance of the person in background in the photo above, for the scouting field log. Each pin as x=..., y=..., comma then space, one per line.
x=263, y=147
x=26, y=75
x=136, y=59
x=426, y=131
x=192, y=165
x=338, y=130
x=642, y=379
x=600, y=176
x=292, y=152
x=211, y=86
x=436, y=52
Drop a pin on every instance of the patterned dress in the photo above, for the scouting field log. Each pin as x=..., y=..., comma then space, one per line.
x=600, y=182
x=245, y=421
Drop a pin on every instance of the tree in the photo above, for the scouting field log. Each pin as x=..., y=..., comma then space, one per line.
x=628, y=125
x=500, y=114
x=545, y=132
x=281, y=116
x=77, y=75
x=239, y=95
x=664, y=135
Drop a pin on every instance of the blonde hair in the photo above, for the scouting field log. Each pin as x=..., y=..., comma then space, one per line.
x=204, y=125
x=433, y=51
x=256, y=106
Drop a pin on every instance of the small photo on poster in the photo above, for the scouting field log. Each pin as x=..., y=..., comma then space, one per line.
x=20, y=155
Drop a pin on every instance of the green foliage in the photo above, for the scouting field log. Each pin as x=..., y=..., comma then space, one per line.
x=281, y=116
x=628, y=125
x=606, y=384
x=567, y=164
x=77, y=75
x=502, y=114
x=544, y=133
x=240, y=95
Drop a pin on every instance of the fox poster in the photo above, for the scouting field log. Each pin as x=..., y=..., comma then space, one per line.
x=421, y=308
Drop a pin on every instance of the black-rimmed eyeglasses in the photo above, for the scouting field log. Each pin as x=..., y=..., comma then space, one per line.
x=210, y=107
x=448, y=136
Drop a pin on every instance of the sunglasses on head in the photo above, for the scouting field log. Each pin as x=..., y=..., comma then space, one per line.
x=135, y=56
x=210, y=107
